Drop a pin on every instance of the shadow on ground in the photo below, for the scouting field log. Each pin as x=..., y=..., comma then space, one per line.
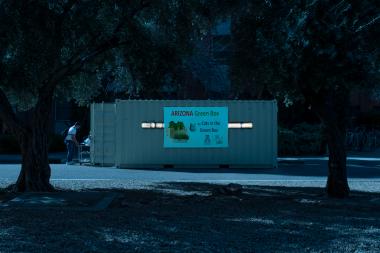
x=186, y=217
x=355, y=169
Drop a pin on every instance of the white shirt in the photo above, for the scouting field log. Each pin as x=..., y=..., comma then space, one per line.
x=71, y=133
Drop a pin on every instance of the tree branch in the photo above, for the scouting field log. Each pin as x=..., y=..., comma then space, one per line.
x=102, y=48
x=337, y=6
x=8, y=116
x=75, y=65
x=76, y=62
x=368, y=24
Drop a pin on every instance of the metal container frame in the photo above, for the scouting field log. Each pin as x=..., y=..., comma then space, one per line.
x=137, y=147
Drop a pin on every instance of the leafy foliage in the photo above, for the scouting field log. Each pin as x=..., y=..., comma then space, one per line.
x=81, y=44
x=301, y=139
x=256, y=35
x=329, y=46
x=300, y=48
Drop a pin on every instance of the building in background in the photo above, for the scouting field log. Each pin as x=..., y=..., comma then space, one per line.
x=207, y=69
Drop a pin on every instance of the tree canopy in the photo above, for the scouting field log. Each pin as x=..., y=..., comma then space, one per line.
x=311, y=50
x=74, y=43
x=66, y=48
x=296, y=46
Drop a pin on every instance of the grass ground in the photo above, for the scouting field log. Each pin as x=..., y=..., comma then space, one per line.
x=186, y=217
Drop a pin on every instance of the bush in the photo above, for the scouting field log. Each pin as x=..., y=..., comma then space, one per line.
x=302, y=139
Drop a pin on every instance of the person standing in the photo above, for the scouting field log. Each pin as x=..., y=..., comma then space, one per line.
x=71, y=142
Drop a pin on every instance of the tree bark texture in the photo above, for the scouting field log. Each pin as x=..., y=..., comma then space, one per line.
x=337, y=185
x=35, y=169
x=333, y=113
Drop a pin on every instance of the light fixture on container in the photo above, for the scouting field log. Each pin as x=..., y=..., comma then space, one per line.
x=247, y=125
x=234, y=125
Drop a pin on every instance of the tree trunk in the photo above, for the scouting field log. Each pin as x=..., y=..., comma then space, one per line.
x=35, y=168
x=331, y=106
x=337, y=185
x=333, y=113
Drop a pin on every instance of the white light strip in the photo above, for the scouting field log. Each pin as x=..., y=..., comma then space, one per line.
x=145, y=125
x=247, y=125
x=160, y=125
x=244, y=125
x=152, y=125
x=234, y=125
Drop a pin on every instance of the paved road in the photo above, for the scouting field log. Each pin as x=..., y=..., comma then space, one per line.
x=364, y=175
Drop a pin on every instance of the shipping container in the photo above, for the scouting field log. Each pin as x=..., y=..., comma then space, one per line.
x=102, y=134
x=131, y=133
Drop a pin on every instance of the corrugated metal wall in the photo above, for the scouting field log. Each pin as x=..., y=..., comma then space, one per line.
x=138, y=147
x=103, y=137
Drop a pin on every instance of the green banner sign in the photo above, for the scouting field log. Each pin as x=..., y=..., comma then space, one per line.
x=196, y=127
